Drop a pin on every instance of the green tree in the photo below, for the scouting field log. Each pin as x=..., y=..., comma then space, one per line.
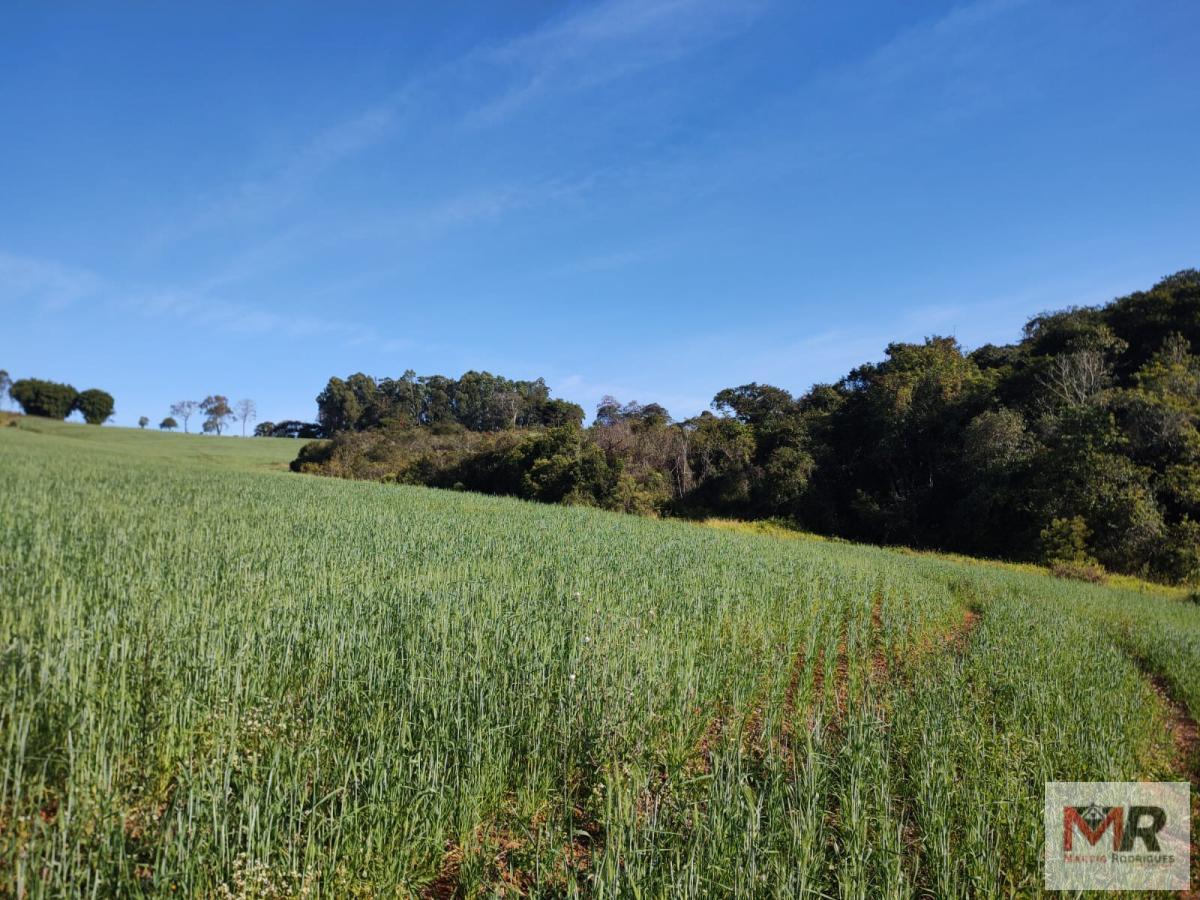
x=755, y=404
x=1066, y=540
x=346, y=405
x=217, y=413
x=5, y=383
x=95, y=405
x=556, y=413
x=720, y=453
x=143, y=421
x=44, y=398
x=168, y=424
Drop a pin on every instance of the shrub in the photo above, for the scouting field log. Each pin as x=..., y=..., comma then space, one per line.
x=44, y=398
x=1065, y=540
x=1091, y=572
x=95, y=405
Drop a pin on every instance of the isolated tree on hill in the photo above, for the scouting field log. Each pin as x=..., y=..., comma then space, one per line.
x=44, y=398
x=185, y=409
x=95, y=405
x=247, y=412
x=143, y=422
x=168, y=424
x=217, y=412
x=5, y=384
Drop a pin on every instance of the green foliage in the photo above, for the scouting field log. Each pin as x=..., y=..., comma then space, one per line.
x=556, y=413
x=217, y=413
x=1093, y=416
x=168, y=424
x=96, y=406
x=289, y=428
x=44, y=398
x=143, y=421
x=1066, y=540
x=1179, y=554
x=479, y=401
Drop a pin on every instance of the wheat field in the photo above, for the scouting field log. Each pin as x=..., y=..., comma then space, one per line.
x=220, y=679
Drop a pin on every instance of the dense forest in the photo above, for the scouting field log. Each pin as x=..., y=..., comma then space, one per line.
x=1079, y=444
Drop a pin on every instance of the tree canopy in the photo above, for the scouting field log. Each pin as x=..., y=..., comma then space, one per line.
x=96, y=406
x=44, y=398
x=1078, y=444
x=479, y=401
x=217, y=413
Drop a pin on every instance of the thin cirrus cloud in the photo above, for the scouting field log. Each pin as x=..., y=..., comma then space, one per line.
x=242, y=319
x=601, y=44
x=48, y=287
x=262, y=197
x=594, y=46
x=44, y=284
x=598, y=44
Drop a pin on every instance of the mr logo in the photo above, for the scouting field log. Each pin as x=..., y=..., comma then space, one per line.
x=1117, y=835
x=1125, y=828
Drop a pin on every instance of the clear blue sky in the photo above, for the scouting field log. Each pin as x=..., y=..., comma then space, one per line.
x=649, y=198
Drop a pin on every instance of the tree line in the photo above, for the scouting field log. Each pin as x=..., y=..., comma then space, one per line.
x=54, y=400
x=1079, y=444
x=217, y=413
x=478, y=401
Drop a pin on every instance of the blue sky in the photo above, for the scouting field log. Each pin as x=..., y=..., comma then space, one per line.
x=654, y=199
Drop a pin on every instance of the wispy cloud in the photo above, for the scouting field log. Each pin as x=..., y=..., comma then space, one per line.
x=950, y=40
x=947, y=66
x=604, y=42
x=50, y=286
x=47, y=284
x=240, y=319
x=603, y=262
x=270, y=193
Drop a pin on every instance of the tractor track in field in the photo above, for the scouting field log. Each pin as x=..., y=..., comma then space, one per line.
x=1185, y=739
x=787, y=737
x=879, y=660
x=580, y=854
x=953, y=640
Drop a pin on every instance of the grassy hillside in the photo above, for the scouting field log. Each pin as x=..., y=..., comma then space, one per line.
x=137, y=444
x=223, y=680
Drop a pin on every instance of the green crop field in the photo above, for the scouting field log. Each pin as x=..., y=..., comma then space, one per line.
x=222, y=679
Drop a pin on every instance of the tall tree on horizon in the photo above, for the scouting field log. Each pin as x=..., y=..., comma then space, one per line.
x=247, y=412
x=217, y=411
x=185, y=409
